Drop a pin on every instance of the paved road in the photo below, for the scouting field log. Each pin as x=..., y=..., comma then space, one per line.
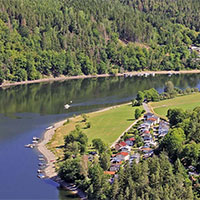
x=146, y=108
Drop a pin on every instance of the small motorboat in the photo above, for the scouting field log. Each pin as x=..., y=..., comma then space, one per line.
x=41, y=176
x=36, y=138
x=41, y=164
x=29, y=146
x=66, y=106
x=40, y=156
x=50, y=127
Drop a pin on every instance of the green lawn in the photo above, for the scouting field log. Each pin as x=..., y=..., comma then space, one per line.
x=187, y=102
x=108, y=125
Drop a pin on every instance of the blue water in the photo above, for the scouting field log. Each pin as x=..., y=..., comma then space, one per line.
x=27, y=110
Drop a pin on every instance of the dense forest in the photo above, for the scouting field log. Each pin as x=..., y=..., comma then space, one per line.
x=73, y=37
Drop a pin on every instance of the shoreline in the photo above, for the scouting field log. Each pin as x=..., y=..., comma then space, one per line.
x=49, y=171
x=61, y=78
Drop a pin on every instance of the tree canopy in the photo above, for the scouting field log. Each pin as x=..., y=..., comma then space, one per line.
x=56, y=37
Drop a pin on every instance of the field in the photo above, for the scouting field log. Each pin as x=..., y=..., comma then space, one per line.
x=107, y=125
x=187, y=102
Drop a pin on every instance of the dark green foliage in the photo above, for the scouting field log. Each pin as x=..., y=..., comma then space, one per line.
x=138, y=113
x=173, y=142
x=56, y=37
x=140, y=98
x=151, y=95
x=99, y=145
x=175, y=116
x=155, y=178
x=105, y=161
x=70, y=170
x=76, y=142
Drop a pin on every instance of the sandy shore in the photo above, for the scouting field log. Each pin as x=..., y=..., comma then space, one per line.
x=50, y=171
x=49, y=79
x=50, y=157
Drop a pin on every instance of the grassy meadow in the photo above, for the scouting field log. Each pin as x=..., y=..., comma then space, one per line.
x=187, y=102
x=107, y=125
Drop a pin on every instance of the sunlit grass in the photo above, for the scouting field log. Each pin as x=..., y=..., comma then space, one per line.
x=107, y=125
x=187, y=102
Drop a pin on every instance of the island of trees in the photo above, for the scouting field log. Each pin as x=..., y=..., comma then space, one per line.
x=73, y=37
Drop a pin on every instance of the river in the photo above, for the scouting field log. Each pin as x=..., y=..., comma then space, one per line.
x=26, y=110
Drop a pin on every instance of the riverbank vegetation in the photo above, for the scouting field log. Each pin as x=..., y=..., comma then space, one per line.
x=53, y=38
x=170, y=92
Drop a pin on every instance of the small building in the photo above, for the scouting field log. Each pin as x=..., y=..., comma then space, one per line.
x=163, y=129
x=125, y=149
x=130, y=141
x=136, y=157
x=123, y=156
x=144, y=126
x=146, y=149
x=109, y=172
x=147, y=155
x=119, y=145
x=148, y=115
x=115, y=167
x=151, y=117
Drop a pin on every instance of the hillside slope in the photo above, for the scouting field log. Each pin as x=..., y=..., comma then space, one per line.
x=54, y=37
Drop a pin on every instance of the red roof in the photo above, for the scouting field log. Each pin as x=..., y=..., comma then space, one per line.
x=122, y=144
x=109, y=172
x=146, y=149
x=131, y=139
x=123, y=153
x=151, y=119
x=147, y=132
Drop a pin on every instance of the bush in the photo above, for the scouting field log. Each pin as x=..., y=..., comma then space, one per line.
x=88, y=124
x=137, y=113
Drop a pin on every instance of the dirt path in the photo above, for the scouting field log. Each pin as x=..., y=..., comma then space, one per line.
x=49, y=79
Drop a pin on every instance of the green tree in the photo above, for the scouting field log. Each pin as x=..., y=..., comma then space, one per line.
x=99, y=145
x=169, y=87
x=140, y=97
x=137, y=113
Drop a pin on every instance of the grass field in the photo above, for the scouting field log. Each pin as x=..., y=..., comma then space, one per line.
x=107, y=125
x=187, y=102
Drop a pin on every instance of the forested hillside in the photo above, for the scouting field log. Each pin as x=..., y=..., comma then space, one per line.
x=71, y=37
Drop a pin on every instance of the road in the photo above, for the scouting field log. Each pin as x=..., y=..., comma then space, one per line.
x=146, y=108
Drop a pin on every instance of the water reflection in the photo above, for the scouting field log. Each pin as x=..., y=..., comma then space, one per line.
x=49, y=98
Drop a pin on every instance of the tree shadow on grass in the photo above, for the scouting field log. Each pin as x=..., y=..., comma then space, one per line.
x=60, y=147
x=130, y=119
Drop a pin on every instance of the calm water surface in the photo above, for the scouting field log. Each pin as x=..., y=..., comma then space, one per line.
x=26, y=110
